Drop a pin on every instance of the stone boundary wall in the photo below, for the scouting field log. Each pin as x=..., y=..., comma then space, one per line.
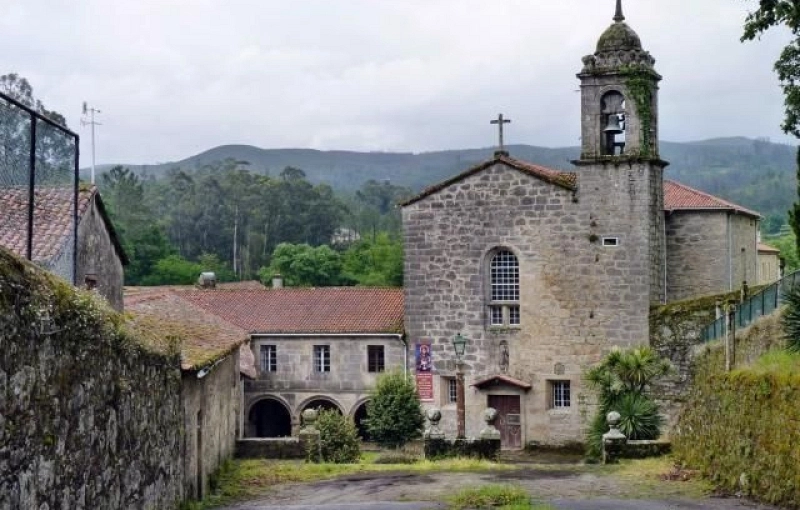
x=675, y=335
x=270, y=448
x=89, y=418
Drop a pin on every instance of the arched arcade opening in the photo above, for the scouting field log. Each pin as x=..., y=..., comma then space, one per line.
x=269, y=418
x=359, y=418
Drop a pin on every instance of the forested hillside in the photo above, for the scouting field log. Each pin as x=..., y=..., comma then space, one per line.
x=754, y=173
x=229, y=208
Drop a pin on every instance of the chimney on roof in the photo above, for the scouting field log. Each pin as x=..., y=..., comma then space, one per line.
x=207, y=280
x=277, y=281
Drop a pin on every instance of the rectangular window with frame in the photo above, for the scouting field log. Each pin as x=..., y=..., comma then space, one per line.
x=449, y=392
x=513, y=315
x=559, y=394
x=269, y=358
x=496, y=318
x=322, y=358
x=375, y=358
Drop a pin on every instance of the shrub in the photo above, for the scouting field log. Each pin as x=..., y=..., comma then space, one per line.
x=339, y=441
x=394, y=415
x=622, y=380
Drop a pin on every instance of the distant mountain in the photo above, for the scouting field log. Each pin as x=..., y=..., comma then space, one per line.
x=753, y=173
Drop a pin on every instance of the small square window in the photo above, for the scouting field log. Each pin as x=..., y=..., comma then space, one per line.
x=559, y=394
x=610, y=241
x=269, y=358
x=322, y=358
x=375, y=359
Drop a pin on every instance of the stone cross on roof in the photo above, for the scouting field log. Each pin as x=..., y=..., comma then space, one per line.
x=500, y=121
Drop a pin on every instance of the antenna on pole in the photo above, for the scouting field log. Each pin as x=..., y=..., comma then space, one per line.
x=90, y=111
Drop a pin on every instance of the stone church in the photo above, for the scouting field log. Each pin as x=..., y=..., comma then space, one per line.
x=544, y=271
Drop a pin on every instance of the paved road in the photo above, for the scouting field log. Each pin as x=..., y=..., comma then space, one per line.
x=608, y=504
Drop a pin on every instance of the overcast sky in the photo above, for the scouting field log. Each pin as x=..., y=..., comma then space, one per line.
x=176, y=77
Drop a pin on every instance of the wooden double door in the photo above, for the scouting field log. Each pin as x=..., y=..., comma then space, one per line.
x=509, y=419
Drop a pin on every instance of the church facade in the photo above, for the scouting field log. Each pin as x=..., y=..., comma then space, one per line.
x=545, y=271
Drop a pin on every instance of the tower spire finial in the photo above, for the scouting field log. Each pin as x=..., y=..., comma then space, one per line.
x=618, y=16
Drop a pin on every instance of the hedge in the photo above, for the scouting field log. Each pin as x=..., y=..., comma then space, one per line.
x=742, y=431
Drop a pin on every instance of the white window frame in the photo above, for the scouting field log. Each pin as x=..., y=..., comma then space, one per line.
x=322, y=358
x=560, y=394
x=503, y=288
x=269, y=358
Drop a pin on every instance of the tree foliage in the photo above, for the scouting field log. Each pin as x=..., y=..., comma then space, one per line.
x=375, y=263
x=769, y=14
x=394, y=414
x=302, y=265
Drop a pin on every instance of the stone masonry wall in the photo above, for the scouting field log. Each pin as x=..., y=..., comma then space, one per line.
x=97, y=255
x=211, y=416
x=578, y=297
x=88, y=417
x=704, y=248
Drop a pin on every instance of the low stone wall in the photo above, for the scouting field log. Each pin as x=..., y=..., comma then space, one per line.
x=475, y=448
x=270, y=448
x=644, y=449
x=89, y=418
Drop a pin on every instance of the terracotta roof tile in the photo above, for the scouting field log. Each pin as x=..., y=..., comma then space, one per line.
x=559, y=178
x=306, y=310
x=52, y=223
x=679, y=197
x=160, y=314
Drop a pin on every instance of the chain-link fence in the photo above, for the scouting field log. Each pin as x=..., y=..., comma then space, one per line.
x=38, y=188
x=762, y=303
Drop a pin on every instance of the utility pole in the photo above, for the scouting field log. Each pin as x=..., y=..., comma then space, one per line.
x=90, y=111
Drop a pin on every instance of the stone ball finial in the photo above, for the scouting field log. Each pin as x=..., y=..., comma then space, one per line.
x=309, y=416
x=489, y=415
x=434, y=415
x=613, y=419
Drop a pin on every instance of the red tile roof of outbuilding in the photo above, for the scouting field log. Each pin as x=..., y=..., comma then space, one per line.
x=306, y=310
x=52, y=220
x=678, y=197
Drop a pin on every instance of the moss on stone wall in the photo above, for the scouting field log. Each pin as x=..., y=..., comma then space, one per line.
x=89, y=416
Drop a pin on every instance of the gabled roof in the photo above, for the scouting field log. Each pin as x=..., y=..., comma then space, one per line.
x=567, y=180
x=679, y=197
x=501, y=380
x=52, y=221
x=306, y=310
x=160, y=315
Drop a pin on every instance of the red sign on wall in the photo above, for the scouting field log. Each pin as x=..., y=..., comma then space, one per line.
x=425, y=386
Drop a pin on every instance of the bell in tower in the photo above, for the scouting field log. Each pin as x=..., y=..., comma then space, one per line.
x=619, y=88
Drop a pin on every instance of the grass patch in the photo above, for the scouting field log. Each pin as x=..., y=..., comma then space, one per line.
x=655, y=477
x=250, y=478
x=778, y=361
x=505, y=497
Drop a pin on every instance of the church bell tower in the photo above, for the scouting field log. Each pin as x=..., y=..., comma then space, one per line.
x=621, y=173
x=619, y=97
